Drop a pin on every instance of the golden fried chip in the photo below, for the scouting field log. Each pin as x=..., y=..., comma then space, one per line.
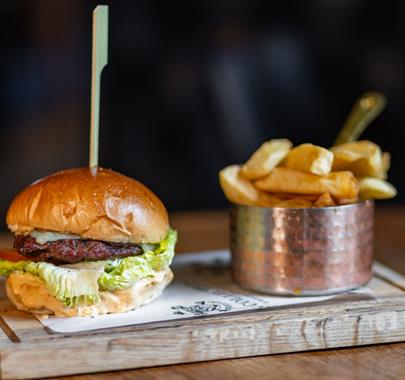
x=239, y=190
x=303, y=197
x=374, y=188
x=362, y=158
x=267, y=157
x=283, y=180
x=346, y=201
x=310, y=158
x=325, y=200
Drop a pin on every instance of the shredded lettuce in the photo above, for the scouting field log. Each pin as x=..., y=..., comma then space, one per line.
x=72, y=286
x=123, y=273
x=7, y=267
x=80, y=283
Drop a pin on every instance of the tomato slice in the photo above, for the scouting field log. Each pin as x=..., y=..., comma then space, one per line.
x=11, y=254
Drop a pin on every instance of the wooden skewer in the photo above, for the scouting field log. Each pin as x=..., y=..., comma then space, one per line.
x=99, y=61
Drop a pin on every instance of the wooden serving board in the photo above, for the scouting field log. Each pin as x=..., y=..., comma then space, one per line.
x=28, y=350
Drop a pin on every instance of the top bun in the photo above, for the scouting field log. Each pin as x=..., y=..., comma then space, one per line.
x=94, y=203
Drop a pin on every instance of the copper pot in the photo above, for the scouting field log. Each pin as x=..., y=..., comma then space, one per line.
x=304, y=251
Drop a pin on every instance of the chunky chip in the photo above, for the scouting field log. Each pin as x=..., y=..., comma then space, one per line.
x=267, y=157
x=346, y=201
x=310, y=158
x=309, y=175
x=283, y=180
x=362, y=158
x=303, y=197
x=325, y=200
x=240, y=190
x=374, y=188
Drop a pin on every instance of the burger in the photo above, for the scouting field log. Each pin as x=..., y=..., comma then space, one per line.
x=88, y=241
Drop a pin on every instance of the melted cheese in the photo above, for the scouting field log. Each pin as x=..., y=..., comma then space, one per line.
x=44, y=236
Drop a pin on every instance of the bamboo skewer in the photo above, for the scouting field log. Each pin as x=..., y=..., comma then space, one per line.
x=99, y=61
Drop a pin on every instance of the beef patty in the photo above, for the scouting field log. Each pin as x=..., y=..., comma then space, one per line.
x=72, y=250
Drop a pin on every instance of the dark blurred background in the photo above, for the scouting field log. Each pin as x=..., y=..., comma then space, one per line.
x=192, y=86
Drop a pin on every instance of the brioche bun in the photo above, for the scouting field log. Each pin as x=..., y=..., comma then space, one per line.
x=93, y=203
x=29, y=293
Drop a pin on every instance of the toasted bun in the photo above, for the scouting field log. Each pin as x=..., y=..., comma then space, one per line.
x=96, y=203
x=29, y=293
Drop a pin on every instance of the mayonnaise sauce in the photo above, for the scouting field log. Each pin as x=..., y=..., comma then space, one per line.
x=29, y=293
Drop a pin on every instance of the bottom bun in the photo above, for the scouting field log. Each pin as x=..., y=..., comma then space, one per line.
x=29, y=293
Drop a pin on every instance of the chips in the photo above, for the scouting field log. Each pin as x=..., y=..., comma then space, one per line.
x=325, y=200
x=284, y=180
x=346, y=201
x=267, y=157
x=374, y=188
x=362, y=158
x=310, y=158
x=302, y=197
x=278, y=176
x=239, y=190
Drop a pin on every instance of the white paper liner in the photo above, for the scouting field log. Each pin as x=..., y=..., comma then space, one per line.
x=202, y=286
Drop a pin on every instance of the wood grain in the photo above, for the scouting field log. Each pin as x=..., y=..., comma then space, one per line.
x=200, y=231
x=285, y=329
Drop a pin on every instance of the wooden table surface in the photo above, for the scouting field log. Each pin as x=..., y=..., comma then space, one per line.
x=208, y=230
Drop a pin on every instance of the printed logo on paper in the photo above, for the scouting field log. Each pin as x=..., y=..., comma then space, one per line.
x=202, y=308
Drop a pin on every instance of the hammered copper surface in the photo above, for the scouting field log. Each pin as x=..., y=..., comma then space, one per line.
x=303, y=251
